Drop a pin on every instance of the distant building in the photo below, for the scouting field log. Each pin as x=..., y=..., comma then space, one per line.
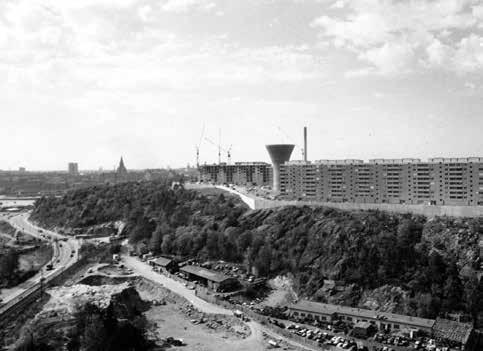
x=381, y=320
x=213, y=280
x=240, y=173
x=22, y=169
x=438, y=181
x=362, y=329
x=443, y=330
x=73, y=168
x=165, y=265
x=121, y=172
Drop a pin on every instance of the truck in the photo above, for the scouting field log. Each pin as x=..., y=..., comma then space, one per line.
x=146, y=257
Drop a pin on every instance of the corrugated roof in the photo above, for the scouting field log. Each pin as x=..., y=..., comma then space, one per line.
x=451, y=330
x=205, y=273
x=323, y=308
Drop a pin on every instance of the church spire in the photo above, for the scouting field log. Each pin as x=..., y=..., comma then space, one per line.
x=121, y=170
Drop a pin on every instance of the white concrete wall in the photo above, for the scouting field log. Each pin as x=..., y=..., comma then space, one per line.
x=256, y=203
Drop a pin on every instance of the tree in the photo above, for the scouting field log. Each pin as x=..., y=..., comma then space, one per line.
x=8, y=265
x=156, y=240
x=167, y=244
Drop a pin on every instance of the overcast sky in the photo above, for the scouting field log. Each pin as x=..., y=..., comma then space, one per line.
x=91, y=80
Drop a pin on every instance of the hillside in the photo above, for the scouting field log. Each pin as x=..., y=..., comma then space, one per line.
x=403, y=263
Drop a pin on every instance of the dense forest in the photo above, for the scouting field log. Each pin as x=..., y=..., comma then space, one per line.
x=434, y=260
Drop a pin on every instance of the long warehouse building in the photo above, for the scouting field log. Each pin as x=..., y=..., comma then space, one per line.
x=438, y=181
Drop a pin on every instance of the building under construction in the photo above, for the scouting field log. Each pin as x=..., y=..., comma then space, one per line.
x=240, y=173
x=437, y=181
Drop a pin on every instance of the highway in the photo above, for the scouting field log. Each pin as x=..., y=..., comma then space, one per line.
x=65, y=253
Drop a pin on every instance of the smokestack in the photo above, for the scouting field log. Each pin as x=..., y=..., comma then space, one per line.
x=279, y=154
x=305, y=144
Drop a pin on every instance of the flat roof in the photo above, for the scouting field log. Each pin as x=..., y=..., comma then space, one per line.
x=162, y=261
x=323, y=308
x=363, y=325
x=205, y=273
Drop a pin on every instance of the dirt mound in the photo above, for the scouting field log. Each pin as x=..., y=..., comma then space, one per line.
x=67, y=298
x=99, y=280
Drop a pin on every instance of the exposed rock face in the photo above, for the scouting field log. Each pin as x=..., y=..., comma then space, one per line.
x=58, y=320
x=379, y=260
x=127, y=304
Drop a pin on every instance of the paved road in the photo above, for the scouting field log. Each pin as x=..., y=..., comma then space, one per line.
x=62, y=252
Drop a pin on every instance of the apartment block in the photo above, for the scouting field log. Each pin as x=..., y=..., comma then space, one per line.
x=437, y=181
x=240, y=173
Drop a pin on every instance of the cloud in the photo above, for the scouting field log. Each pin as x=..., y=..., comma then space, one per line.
x=469, y=53
x=391, y=57
x=401, y=36
x=187, y=5
x=339, y=4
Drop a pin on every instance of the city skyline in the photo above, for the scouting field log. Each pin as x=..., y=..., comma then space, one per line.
x=90, y=82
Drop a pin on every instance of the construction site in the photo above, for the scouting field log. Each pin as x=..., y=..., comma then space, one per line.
x=441, y=182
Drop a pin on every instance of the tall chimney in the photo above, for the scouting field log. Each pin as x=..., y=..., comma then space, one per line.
x=305, y=144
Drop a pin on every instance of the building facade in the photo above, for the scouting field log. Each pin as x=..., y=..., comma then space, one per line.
x=73, y=168
x=240, y=173
x=437, y=181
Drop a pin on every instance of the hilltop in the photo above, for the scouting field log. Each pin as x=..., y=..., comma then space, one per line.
x=401, y=263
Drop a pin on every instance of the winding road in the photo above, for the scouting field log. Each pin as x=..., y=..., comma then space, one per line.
x=65, y=252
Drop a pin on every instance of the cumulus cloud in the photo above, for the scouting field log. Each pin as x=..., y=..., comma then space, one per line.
x=400, y=36
x=186, y=5
x=72, y=48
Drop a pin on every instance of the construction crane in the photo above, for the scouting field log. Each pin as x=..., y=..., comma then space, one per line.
x=220, y=148
x=228, y=154
x=198, y=147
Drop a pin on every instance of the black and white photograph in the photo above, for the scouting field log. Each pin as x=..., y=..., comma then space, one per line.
x=241, y=175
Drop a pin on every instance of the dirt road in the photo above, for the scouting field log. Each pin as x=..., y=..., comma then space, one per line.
x=254, y=342
x=145, y=270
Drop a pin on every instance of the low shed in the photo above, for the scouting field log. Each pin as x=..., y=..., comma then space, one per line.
x=213, y=280
x=165, y=265
x=362, y=329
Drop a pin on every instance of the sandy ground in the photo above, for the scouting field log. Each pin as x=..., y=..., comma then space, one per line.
x=197, y=338
x=258, y=340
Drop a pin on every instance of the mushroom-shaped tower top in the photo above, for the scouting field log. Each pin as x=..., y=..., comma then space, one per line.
x=279, y=154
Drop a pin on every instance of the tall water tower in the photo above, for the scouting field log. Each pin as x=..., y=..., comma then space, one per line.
x=279, y=154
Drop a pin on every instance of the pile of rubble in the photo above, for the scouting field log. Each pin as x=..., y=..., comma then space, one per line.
x=67, y=298
x=230, y=325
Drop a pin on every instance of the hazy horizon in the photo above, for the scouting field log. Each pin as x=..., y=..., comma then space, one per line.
x=91, y=81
